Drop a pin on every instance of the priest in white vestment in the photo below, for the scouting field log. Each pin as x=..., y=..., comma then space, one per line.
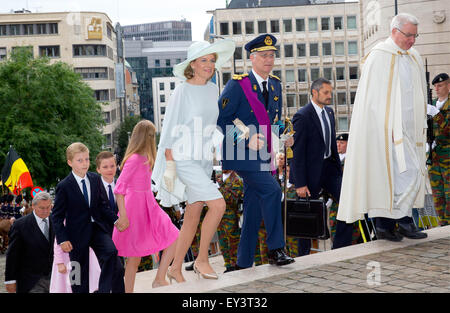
x=385, y=171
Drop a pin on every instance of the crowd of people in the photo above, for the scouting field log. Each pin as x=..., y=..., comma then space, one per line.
x=100, y=229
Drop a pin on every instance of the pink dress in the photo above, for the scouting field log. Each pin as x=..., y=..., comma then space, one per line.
x=151, y=229
x=60, y=283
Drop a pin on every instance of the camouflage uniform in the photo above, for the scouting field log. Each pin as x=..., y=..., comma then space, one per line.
x=439, y=170
x=229, y=232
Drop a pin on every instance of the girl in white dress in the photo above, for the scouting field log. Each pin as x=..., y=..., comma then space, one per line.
x=184, y=161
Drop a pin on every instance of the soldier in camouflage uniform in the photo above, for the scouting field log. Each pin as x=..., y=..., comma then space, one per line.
x=231, y=187
x=440, y=168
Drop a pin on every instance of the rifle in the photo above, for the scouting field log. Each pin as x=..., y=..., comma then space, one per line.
x=430, y=131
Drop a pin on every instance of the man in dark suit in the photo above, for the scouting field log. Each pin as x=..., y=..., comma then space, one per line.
x=88, y=219
x=252, y=102
x=29, y=257
x=316, y=165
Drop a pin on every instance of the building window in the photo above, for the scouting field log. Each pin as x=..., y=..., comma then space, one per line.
x=326, y=48
x=288, y=51
x=302, y=75
x=224, y=28
x=325, y=23
x=312, y=24
x=108, y=140
x=275, y=26
x=342, y=98
x=161, y=86
x=303, y=99
x=89, y=50
x=101, y=95
x=262, y=27
x=328, y=73
x=157, y=63
x=352, y=97
x=107, y=117
x=238, y=53
x=339, y=48
x=41, y=29
x=14, y=29
x=249, y=27
x=24, y=48
x=2, y=53
x=92, y=72
x=300, y=24
x=162, y=98
x=291, y=100
x=290, y=77
x=315, y=74
x=49, y=51
x=172, y=85
x=167, y=62
x=287, y=26
x=237, y=30
x=301, y=50
x=53, y=28
x=225, y=78
x=313, y=49
x=112, y=94
x=28, y=29
x=340, y=73
x=352, y=48
x=343, y=124
x=3, y=30
x=277, y=52
x=353, y=72
x=163, y=110
x=277, y=73
x=338, y=23
x=351, y=22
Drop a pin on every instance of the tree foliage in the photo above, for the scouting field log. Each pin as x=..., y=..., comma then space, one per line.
x=44, y=108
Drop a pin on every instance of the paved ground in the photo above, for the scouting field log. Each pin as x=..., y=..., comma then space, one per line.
x=417, y=266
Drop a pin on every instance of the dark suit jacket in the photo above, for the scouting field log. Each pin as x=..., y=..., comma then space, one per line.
x=71, y=206
x=115, y=209
x=309, y=149
x=30, y=254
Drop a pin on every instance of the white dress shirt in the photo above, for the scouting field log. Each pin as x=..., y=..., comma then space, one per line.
x=319, y=114
x=260, y=80
x=40, y=223
x=106, y=184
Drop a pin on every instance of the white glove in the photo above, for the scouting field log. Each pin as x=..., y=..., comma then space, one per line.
x=245, y=131
x=169, y=175
x=432, y=110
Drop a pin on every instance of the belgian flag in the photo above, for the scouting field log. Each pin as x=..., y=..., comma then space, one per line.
x=15, y=174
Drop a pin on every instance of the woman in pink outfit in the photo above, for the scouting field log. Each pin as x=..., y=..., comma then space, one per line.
x=60, y=281
x=143, y=228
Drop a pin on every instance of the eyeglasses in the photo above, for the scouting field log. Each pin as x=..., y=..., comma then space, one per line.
x=408, y=35
x=267, y=55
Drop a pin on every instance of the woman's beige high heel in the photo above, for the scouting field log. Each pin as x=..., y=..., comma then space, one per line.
x=205, y=275
x=170, y=277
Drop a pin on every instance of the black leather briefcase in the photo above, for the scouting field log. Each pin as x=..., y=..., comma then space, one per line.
x=306, y=218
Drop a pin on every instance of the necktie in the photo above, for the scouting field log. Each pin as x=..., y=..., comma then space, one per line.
x=327, y=133
x=46, y=230
x=265, y=94
x=112, y=203
x=85, y=192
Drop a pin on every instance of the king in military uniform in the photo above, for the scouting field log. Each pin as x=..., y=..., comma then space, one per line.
x=248, y=107
x=440, y=166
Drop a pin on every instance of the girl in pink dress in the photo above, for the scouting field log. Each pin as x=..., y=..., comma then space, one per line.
x=143, y=228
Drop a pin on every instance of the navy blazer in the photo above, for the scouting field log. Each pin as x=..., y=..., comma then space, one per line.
x=115, y=209
x=309, y=148
x=71, y=206
x=234, y=104
x=30, y=254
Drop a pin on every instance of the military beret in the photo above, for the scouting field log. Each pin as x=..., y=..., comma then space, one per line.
x=342, y=137
x=440, y=78
x=261, y=43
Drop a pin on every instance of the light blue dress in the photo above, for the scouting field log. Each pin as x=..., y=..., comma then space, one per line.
x=189, y=128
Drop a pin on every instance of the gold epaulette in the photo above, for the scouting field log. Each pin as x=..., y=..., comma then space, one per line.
x=239, y=76
x=276, y=77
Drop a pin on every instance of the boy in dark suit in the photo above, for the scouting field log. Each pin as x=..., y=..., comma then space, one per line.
x=30, y=253
x=88, y=219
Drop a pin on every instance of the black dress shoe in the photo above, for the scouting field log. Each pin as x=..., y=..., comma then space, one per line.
x=279, y=257
x=229, y=269
x=411, y=231
x=391, y=235
x=189, y=267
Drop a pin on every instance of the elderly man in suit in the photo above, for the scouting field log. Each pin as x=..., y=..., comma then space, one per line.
x=30, y=253
x=316, y=165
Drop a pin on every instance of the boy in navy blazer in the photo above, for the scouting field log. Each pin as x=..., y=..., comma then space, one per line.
x=88, y=220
